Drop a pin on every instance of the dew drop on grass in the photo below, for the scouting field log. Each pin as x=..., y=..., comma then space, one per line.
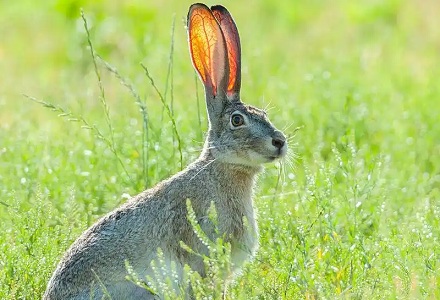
x=133, y=122
x=87, y=152
x=326, y=75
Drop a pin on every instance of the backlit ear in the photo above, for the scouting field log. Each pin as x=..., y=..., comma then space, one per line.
x=232, y=39
x=208, y=49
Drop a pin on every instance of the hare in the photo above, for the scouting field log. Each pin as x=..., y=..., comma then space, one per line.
x=239, y=140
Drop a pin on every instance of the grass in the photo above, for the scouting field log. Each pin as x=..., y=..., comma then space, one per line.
x=358, y=217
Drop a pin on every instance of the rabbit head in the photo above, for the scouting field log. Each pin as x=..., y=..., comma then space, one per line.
x=238, y=133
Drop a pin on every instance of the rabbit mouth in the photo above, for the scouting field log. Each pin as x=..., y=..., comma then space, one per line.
x=278, y=155
x=272, y=158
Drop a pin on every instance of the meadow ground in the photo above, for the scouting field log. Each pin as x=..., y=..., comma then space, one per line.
x=356, y=217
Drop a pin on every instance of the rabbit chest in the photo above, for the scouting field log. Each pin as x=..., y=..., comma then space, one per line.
x=244, y=244
x=236, y=219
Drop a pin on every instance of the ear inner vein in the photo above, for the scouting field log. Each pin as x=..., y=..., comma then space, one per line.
x=207, y=47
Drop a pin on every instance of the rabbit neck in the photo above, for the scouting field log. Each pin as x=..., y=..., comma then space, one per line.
x=232, y=193
x=207, y=157
x=237, y=181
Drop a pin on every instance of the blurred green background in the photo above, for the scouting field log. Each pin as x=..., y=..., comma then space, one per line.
x=357, y=216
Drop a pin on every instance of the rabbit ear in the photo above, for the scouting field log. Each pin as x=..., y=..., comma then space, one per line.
x=208, y=50
x=232, y=39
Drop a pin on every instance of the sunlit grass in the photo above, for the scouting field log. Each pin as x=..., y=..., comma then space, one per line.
x=357, y=216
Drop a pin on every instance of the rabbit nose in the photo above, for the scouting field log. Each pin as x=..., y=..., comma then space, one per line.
x=278, y=142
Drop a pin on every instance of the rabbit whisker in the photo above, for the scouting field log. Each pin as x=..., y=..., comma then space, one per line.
x=200, y=149
x=291, y=159
x=287, y=127
x=268, y=107
x=290, y=138
x=297, y=129
x=203, y=168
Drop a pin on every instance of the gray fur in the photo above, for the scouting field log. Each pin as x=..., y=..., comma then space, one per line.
x=157, y=218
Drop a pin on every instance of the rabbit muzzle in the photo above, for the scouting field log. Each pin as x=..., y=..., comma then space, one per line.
x=278, y=145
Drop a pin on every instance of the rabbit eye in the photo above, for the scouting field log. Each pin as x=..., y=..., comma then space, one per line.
x=237, y=120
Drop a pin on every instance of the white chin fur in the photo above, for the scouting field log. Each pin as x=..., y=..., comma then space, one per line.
x=253, y=159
